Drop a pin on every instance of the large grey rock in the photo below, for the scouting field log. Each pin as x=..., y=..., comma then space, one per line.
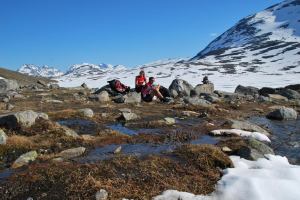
x=246, y=90
x=295, y=87
x=21, y=119
x=68, y=132
x=102, y=195
x=277, y=97
x=180, y=88
x=72, y=153
x=254, y=150
x=266, y=90
x=196, y=101
x=6, y=85
x=133, y=97
x=25, y=159
x=128, y=116
x=204, y=89
x=86, y=112
x=247, y=126
x=103, y=97
x=288, y=93
x=213, y=98
x=3, y=137
x=283, y=113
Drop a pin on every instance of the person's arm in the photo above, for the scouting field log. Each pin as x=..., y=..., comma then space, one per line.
x=136, y=80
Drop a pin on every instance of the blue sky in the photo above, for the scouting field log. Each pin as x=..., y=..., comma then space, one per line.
x=60, y=33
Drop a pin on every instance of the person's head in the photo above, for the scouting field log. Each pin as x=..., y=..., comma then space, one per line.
x=142, y=73
x=205, y=78
x=151, y=80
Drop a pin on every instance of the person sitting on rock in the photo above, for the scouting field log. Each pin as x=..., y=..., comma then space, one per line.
x=151, y=90
x=205, y=80
x=140, y=81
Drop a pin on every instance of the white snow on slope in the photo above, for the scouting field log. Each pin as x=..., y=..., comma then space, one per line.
x=271, y=178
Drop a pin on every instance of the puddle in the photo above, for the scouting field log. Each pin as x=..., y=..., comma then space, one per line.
x=205, y=139
x=5, y=174
x=128, y=131
x=104, y=153
x=81, y=126
x=285, y=136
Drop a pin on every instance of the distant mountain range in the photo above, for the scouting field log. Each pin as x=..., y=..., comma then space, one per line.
x=260, y=50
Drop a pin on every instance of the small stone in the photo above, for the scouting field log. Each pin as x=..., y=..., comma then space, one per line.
x=118, y=150
x=226, y=149
x=170, y=121
x=25, y=159
x=128, y=116
x=87, y=112
x=190, y=113
x=72, y=153
x=3, y=137
x=9, y=106
x=54, y=101
x=102, y=195
x=283, y=113
x=84, y=85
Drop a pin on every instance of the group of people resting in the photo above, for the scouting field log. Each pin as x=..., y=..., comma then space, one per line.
x=148, y=88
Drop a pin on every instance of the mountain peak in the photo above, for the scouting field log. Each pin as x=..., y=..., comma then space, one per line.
x=43, y=71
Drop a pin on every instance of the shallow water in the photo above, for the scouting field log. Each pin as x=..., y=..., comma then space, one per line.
x=285, y=136
x=107, y=152
x=81, y=126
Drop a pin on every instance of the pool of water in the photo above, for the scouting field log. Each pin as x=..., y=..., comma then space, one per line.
x=285, y=136
x=81, y=126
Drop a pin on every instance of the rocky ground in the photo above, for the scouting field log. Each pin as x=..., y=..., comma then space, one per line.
x=77, y=143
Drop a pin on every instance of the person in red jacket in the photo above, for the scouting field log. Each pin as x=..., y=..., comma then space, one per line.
x=150, y=90
x=140, y=81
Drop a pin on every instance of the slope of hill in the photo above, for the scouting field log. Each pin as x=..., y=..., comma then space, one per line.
x=22, y=79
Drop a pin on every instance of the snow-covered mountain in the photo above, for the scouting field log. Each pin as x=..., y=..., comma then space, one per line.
x=266, y=42
x=43, y=71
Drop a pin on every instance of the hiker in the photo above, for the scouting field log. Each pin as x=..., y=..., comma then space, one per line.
x=151, y=90
x=205, y=80
x=118, y=87
x=140, y=81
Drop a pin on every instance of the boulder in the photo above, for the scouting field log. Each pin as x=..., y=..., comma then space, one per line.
x=283, y=113
x=254, y=150
x=86, y=112
x=102, y=195
x=68, y=131
x=128, y=116
x=196, y=101
x=266, y=90
x=72, y=153
x=288, y=93
x=180, y=88
x=119, y=99
x=7, y=85
x=103, y=97
x=3, y=137
x=277, y=97
x=21, y=119
x=246, y=90
x=295, y=87
x=247, y=126
x=213, y=98
x=25, y=159
x=204, y=89
x=133, y=97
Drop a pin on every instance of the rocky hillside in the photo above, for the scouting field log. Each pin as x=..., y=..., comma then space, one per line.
x=22, y=79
